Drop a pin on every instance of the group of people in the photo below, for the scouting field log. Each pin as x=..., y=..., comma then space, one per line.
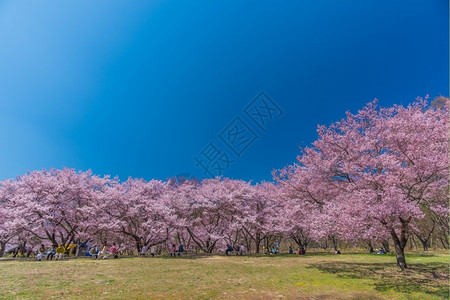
x=174, y=251
x=57, y=252
x=27, y=251
x=275, y=249
x=381, y=251
x=54, y=251
x=301, y=251
x=96, y=253
x=238, y=249
x=144, y=251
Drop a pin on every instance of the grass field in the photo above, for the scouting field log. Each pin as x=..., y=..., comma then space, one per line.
x=315, y=276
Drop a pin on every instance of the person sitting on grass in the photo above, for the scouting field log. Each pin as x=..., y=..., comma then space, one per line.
x=337, y=252
x=51, y=252
x=381, y=251
x=229, y=249
x=103, y=252
x=274, y=250
x=60, y=250
x=94, y=252
x=291, y=251
x=143, y=251
x=41, y=252
x=113, y=251
x=241, y=249
x=302, y=250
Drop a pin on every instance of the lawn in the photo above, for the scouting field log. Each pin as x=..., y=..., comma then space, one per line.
x=315, y=276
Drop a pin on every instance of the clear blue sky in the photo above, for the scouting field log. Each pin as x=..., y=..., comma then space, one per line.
x=140, y=88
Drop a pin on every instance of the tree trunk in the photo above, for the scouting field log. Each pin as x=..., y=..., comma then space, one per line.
x=210, y=244
x=202, y=246
x=369, y=244
x=305, y=245
x=138, y=244
x=424, y=241
x=269, y=242
x=399, y=244
x=444, y=242
x=248, y=244
x=385, y=244
x=2, y=248
x=399, y=251
x=424, y=245
x=300, y=239
x=335, y=243
x=411, y=243
x=257, y=241
x=23, y=248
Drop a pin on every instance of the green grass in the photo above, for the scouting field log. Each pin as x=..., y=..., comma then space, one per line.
x=315, y=276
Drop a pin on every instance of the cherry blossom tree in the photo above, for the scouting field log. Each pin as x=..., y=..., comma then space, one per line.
x=261, y=213
x=376, y=170
x=9, y=217
x=208, y=210
x=137, y=210
x=56, y=205
x=311, y=213
x=8, y=229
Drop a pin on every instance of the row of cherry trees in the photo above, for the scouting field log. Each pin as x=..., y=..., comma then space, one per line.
x=64, y=206
x=376, y=175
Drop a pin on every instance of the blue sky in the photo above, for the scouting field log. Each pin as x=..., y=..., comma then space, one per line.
x=140, y=88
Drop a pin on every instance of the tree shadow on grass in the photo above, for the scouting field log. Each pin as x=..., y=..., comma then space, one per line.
x=423, y=254
x=430, y=278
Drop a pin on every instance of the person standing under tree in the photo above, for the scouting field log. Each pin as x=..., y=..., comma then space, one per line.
x=173, y=249
x=180, y=249
x=229, y=249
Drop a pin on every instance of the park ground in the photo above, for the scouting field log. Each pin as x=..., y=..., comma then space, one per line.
x=314, y=276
